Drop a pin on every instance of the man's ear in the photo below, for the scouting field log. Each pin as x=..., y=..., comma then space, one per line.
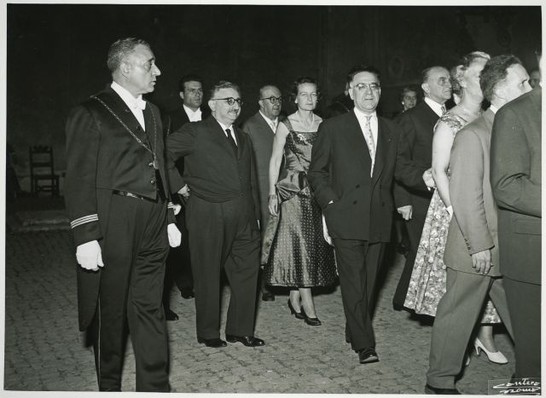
x=181, y=94
x=212, y=105
x=125, y=68
x=425, y=88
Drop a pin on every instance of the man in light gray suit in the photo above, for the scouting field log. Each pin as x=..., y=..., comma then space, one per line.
x=472, y=247
x=261, y=128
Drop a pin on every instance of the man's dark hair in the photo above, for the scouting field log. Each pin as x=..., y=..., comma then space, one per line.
x=121, y=49
x=494, y=72
x=362, y=68
x=188, y=78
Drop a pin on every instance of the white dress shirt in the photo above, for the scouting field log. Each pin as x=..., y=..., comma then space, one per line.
x=136, y=105
x=193, y=116
x=374, y=124
x=436, y=107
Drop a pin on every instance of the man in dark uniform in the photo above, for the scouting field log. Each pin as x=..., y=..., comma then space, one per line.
x=116, y=192
x=179, y=261
x=222, y=216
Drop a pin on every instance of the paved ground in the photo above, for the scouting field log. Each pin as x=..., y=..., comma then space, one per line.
x=45, y=352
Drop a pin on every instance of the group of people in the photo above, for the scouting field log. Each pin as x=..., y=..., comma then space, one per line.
x=301, y=202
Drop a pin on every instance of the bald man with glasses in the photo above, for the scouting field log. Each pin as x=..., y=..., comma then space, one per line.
x=261, y=128
x=222, y=214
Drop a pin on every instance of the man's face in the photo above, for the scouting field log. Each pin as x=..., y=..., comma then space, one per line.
x=409, y=100
x=220, y=107
x=515, y=84
x=192, y=96
x=140, y=71
x=365, y=91
x=438, y=85
x=271, y=102
x=534, y=80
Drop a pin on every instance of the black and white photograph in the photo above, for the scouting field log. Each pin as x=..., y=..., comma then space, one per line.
x=222, y=198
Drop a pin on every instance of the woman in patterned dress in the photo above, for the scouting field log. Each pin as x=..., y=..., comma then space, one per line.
x=297, y=254
x=428, y=279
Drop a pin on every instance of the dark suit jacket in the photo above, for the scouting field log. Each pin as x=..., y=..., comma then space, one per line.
x=474, y=226
x=212, y=170
x=416, y=130
x=261, y=135
x=340, y=172
x=102, y=156
x=178, y=117
x=516, y=177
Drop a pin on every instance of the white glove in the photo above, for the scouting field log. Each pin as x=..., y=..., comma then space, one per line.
x=175, y=237
x=89, y=255
x=176, y=209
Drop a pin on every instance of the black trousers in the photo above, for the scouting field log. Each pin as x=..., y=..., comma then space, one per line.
x=358, y=264
x=224, y=236
x=524, y=307
x=134, y=250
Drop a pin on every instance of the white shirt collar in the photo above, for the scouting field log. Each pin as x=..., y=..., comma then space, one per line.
x=127, y=97
x=436, y=107
x=194, y=116
x=360, y=114
x=493, y=108
x=269, y=121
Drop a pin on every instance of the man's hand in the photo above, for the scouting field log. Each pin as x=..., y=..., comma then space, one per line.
x=175, y=237
x=405, y=212
x=176, y=208
x=428, y=179
x=185, y=191
x=273, y=205
x=89, y=255
x=481, y=262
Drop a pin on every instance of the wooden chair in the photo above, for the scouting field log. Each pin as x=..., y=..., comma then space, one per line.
x=42, y=174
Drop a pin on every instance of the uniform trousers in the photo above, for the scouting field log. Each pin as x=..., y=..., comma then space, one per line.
x=134, y=250
x=458, y=311
x=358, y=264
x=224, y=236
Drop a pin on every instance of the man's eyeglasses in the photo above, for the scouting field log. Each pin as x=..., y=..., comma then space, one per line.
x=273, y=100
x=371, y=86
x=230, y=100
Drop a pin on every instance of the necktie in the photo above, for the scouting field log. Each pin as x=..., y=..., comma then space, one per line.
x=369, y=140
x=273, y=125
x=444, y=110
x=231, y=140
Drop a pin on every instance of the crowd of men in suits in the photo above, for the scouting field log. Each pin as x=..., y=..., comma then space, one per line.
x=130, y=189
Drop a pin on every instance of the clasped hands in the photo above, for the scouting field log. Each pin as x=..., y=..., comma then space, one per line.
x=89, y=254
x=429, y=179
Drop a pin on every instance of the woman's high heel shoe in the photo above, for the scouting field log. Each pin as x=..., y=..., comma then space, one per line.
x=495, y=357
x=298, y=315
x=310, y=321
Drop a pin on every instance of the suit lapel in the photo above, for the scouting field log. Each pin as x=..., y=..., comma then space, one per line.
x=383, y=144
x=357, y=140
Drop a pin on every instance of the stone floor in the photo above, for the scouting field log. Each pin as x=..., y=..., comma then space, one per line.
x=45, y=352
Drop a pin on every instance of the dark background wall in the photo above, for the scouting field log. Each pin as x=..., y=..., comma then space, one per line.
x=56, y=53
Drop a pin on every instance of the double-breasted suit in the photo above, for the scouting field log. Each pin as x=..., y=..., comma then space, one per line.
x=516, y=177
x=105, y=164
x=358, y=209
x=221, y=217
x=416, y=127
x=473, y=229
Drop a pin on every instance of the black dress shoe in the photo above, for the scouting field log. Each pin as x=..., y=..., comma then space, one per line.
x=249, y=341
x=170, y=315
x=214, y=343
x=187, y=293
x=298, y=315
x=311, y=321
x=268, y=296
x=440, y=391
x=367, y=355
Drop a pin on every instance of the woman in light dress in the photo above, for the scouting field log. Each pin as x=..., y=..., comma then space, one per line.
x=428, y=279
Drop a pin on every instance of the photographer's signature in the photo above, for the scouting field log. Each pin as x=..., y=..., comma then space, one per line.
x=524, y=386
